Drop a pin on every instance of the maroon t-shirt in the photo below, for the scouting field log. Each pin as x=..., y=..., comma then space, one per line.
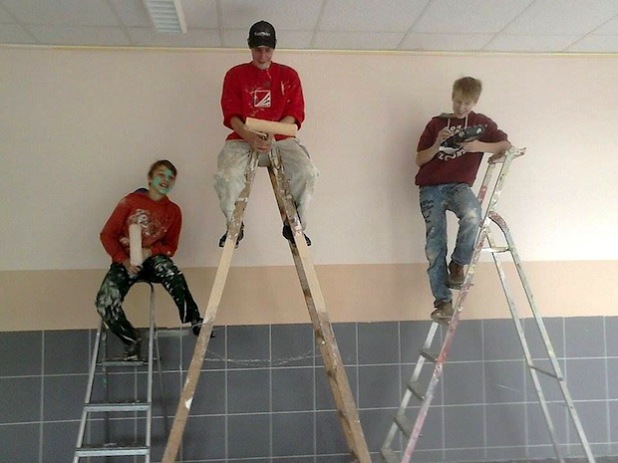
x=457, y=167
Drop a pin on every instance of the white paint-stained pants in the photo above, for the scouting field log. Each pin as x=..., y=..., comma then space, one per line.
x=300, y=173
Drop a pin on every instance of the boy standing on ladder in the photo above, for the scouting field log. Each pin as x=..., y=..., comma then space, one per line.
x=269, y=91
x=446, y=175
x=159, y=221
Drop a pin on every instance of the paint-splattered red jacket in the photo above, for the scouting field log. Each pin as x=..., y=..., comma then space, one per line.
x=269, y=94
x=160, y=222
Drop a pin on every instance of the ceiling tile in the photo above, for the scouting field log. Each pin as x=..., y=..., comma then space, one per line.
x=609, y=28
x=596, y=44
x=445, y=42
x=14, y=34
x=549, y=17
x=530, y=43
x=356, y=40
x=197, y=38
x=5, y=17
x=282, y=14
x=470, y=16
x=62, y=12
x=371, y=15
x=132, y=13
x=200, y=14
x=79, y=36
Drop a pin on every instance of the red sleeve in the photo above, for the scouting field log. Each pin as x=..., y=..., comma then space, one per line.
x=114, y=231
x=231, y=98
x=168, y=245
x=429, y=135
x=294, y=100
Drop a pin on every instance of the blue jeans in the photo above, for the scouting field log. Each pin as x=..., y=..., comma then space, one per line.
x=435, y=200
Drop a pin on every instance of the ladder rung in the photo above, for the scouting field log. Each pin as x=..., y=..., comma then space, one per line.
x=417, y=389
x=123, y=363
x=101, y=450
x=117, y=407
x=496, y=249
x=431, y=356
x=404, y=424
x=389, y=455
x=546, y=372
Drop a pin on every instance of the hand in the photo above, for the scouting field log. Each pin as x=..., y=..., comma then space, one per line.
x=473, y=146
x=259, y=143
x=443, y=135
x=132, y=269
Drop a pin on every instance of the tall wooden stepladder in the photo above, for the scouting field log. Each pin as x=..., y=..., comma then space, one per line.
x=325, y=338
x=411, y=430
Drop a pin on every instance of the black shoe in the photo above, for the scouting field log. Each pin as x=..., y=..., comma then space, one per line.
x=288, y=235
x=196, y=327
x=241, y=235
x=132, y=351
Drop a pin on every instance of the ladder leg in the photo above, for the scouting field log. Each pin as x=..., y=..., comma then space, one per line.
x=201, y=345
x=348, y=414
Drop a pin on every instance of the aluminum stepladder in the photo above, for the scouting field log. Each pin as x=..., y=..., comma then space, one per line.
x=325, y=338
x=142, y=409
x=485, y=242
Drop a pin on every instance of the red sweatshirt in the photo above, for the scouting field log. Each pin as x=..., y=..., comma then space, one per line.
x=268, y=94
x=160, y=221
x=454, y=168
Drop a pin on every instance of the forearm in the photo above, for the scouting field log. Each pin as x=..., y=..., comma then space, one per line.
x=426, y=155
x=493, y=148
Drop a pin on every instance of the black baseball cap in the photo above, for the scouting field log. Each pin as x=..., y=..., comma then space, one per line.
x=262, y=34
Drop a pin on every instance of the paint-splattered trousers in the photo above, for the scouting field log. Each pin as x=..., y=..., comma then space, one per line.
x=435, y=200
x=300, y=173
x=116, y=285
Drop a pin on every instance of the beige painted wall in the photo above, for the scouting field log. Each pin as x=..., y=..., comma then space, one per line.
x=80, y=127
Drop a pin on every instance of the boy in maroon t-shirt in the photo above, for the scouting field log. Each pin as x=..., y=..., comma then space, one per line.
x=445, y=178
x=160, y=221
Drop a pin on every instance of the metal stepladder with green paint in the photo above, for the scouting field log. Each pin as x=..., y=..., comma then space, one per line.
x=410, y=431
x=106, y=412
x=323, y=331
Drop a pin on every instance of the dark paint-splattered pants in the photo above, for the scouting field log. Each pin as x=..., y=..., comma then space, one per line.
x=435, y=200
x=116, y=285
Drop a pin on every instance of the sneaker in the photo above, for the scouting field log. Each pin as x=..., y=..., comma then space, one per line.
x=196, y=325
x=241, y=235
x=456, y=275
x=132, y=351
x=443, y=313
x=288, y=235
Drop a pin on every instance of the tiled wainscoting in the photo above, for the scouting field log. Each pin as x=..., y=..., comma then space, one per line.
x=263, y=394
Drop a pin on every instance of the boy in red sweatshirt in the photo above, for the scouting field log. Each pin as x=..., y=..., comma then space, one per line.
x=160, y=221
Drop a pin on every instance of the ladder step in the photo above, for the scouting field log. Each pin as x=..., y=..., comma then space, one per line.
x=430, y=356
x=119, y=362
x=404, y=423
x=546, y=372
x=117, y=407
x=417, y=389
x=389, y=455
x=497, y=249
x=101, y=450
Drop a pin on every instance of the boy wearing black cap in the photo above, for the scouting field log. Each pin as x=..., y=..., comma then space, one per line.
x=269, y=91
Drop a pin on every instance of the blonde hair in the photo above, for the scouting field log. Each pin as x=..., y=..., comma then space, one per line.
x=468, y=87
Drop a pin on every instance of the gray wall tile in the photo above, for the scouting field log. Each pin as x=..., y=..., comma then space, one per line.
x=500, y=340
x=248, y=346
x=293, y=434
x=58, y=441
x=504, y=381
x=379, y=386
x=67, y=351
x=378, y=343
x=554, y=328
x=586, y=337
x=20, y=400
x=63, y=397
x=248, y=391
x=413, y=336
x=292, y=389
x=506, y=424
x=611, y=328
x=292, y=345
x=464, y=426
x=595, y=387
x=346, y=335
x=210, y=394
x=204, y=438
x=20, y=353
x=249, y=436
x=463, y=383
x=329, y=436
x=468, y=342
x=20, y=442
x=323, y=391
